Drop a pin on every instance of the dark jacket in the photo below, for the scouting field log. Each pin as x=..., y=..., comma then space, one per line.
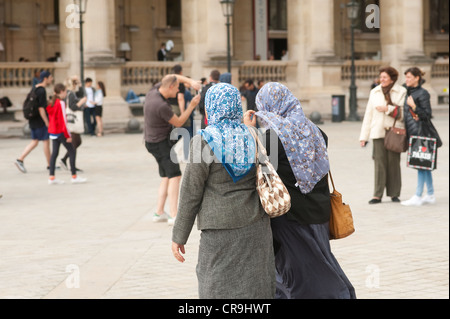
x=311, y=208
x=423, y=110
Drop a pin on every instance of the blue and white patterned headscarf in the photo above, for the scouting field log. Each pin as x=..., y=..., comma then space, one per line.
x=230, y=140
x=303, y=142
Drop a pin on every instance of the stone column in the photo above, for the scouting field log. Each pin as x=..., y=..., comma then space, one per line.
x=101, y=63
x=193, y=49
x=216, y=31
x=391, y=18
x=311, y=45
x=96, y=30
x=322, y=29
x=412, y=29
x=69, y=37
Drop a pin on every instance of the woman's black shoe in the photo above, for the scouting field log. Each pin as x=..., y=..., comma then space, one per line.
x=375, y=201
x=396, y=199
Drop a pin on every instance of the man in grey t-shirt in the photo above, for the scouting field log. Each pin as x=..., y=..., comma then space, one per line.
x=159, y=120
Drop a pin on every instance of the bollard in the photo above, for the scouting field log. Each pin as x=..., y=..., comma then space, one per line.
x=26, y=130
x=316, y=118
x=133, y=126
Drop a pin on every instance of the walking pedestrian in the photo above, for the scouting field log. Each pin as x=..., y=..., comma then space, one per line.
x=305, y=266
x=100, y=94
x=235, y=257
x=384, y=101
x=38, y=124
x=159, y=120
x=59, y=134
x=75, y=106
x=417, y=110
x=214, y=78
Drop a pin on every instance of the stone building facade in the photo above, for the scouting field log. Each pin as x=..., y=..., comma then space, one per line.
x=315, y=34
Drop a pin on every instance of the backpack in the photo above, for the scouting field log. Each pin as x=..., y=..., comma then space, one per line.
x=30, y=106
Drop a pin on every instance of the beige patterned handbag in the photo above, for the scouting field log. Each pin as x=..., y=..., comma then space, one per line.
x=273, y=194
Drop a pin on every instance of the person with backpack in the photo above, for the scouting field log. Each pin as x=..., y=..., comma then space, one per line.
x=35, y=112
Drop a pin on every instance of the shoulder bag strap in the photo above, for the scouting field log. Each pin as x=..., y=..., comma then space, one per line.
x=259, y=147
x=331, y=178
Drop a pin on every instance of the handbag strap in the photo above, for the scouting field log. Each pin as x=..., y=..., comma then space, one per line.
x=331, y=178
x=259, y=147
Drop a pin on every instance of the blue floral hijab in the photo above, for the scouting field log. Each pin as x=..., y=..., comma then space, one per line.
x=303, y=142
x=230, y=140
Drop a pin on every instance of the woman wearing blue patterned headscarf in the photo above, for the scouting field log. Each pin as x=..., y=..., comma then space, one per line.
x=303, y=142
x=236, y=257
x=229, y=139
x=306, y=267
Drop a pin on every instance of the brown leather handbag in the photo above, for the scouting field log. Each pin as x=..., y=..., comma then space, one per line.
x=341, y=218
x=396, y=140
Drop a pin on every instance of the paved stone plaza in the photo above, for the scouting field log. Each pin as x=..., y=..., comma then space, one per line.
x=97, y=240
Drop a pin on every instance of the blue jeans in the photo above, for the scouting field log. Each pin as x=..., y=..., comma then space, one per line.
x=424, y=177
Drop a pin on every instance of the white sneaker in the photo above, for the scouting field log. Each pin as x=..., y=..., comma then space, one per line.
x=171, y=220
x=413, y=201
x=55, y=182
x=429, y=199
x=159, y=218
x=79, y=180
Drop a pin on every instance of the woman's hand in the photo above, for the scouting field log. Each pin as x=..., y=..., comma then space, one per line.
x=410, y=102
x=176, y=248
x=363, y=143
x=382, y=108
x=69, y=140
x=250, y=118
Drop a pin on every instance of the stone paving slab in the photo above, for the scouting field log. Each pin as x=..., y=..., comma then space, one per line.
x=98, y=241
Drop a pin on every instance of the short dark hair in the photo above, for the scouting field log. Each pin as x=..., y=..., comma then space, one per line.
x=249, y=82
x=177, y=69
x=215, y=75
x=88, y=80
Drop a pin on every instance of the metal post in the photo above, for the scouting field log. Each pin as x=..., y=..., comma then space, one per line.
x=81, y=50
x=353, y=89
x=228, y=44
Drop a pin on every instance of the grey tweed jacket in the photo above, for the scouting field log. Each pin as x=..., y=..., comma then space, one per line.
x=209, y=194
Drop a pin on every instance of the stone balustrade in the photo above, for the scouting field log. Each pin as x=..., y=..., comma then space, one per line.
x=263, y=70
x=364, y=70
x=148, y=73
x=21, y=74
x=440, y=69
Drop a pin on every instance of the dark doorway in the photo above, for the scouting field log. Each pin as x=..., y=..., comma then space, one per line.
x=276, y=47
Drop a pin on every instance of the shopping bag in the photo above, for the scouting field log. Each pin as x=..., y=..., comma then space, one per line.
x=422, y=152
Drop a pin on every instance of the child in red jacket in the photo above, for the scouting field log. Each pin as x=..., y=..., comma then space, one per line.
x=59, y=134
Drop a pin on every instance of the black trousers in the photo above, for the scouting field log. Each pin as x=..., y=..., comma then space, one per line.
x=56, y=143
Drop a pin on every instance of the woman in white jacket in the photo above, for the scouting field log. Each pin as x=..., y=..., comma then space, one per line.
x=383, y=107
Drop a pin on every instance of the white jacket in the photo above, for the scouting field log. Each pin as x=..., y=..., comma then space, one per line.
x=375, y=123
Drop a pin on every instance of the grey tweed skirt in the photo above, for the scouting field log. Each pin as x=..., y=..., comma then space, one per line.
x=237, y=263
